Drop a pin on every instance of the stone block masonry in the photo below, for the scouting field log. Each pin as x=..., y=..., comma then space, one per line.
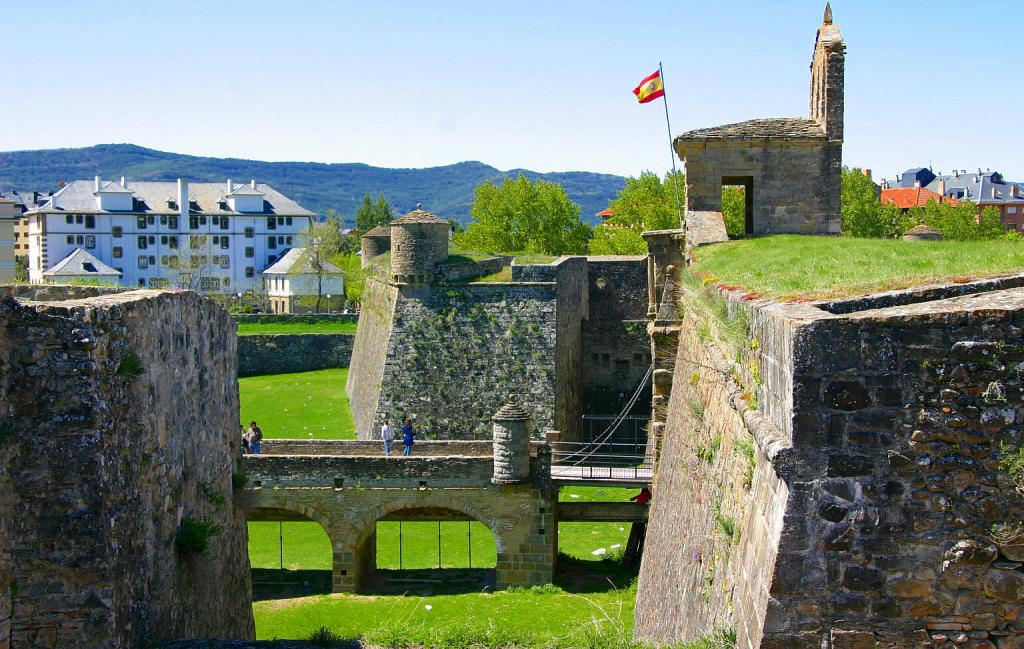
x=284, y=353
x=119, y=420
x=871, y=517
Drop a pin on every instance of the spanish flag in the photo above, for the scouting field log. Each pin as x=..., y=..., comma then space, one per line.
x=650, y=88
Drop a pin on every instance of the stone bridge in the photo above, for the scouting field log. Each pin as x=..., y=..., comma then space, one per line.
x=348, y=486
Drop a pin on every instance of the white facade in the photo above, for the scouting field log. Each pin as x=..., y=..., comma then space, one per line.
x=147, y=235
x=299, y=285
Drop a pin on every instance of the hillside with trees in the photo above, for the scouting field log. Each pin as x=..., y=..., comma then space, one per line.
x=447, y=191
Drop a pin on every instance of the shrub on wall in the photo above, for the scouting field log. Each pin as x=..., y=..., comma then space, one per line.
x=194, y=535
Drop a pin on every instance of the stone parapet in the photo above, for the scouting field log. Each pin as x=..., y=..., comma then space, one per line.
x=366, y=472
x=305, y=318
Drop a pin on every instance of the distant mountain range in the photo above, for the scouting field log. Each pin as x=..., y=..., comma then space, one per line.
x=446, y=191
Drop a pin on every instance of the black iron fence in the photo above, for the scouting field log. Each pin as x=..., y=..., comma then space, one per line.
x=624, y=432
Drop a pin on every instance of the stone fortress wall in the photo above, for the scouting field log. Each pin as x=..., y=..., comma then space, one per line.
x=119, y=414
x=283, y=353
x=854, y=506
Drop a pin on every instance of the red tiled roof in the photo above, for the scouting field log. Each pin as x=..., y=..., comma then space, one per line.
x=907, y=197
x=605, y=213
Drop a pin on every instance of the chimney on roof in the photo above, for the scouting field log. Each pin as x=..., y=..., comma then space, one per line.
x=97, y=185
x=183, y=198
x=917, y=184
x=124, y=183
x=1014, y=190
x=993, y=191
x=956, y=173
x=942, y=186
x=252, y=183
x=885, y=184
x=231, y=187
x=867, y=173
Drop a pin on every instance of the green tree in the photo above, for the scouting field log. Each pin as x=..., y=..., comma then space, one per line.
x=373, y=213
x=960, y=222
x=734, y=210
x=645, y=203
x=524, y=216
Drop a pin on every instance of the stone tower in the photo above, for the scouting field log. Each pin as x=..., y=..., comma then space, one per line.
x=419, y=241
x=511, y=443
x=374, y=243
x=827, y=71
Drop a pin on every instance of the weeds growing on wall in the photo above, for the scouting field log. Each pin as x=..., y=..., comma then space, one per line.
x=707, y=452
x=745, y=447
x=239, y=480
x=130, y=365
x=1012, y=462
x=1008, y=533
x=726, y=524
x=194, y=535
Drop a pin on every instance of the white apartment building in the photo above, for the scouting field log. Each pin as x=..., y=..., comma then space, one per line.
x=209, y=237
x=294, y=277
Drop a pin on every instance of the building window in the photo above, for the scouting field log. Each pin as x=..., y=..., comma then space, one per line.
x=143, y=261
x=227, y=282
x=202, y=220
x=152, y=240
x=150, y=219
x=250, y=271
x=90, y=221
x=225, y=243
x=163, y=219
x=70, y=239
x=79, y=239
x=173, y=242
x=116, y=252
x=288, y=220
x=78, y=219
x=163, y=239
x=225, y=261
x=152, y=260
x=250, y=232
x=224, y=223
x=158, y=282
x=1011, y=210
x=90, y=241
x=271, y=223
x=280, y=220
x=193, y=223
x=172, y=222
x=69, y=219
x=142, y=281
x=115, y=231
x=142, y=242
x=250, y=252
x=271, y=242
x=141, y=222
x=289, y=241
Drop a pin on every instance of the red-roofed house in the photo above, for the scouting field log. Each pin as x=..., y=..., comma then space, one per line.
x=908, y=197
x=605, y=214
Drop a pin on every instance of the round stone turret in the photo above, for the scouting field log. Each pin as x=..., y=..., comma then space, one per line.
x=922, y=233
x=374, y=242
x=511, y=444
x=419, y=241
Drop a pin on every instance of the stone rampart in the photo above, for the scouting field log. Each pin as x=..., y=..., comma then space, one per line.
x=284, y=353
x=370, y=353
x=878, y=512
x=119, y=422
x=434, y=447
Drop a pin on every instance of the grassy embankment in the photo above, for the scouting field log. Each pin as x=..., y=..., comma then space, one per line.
x=790, y=266
x=306, y=405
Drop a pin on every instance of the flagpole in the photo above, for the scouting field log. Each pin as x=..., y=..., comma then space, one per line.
x=671, y=151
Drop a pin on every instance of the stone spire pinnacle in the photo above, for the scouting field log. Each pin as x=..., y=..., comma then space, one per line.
x=827, y=20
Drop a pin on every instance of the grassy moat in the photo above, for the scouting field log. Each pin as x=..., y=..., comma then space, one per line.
x=412, y=602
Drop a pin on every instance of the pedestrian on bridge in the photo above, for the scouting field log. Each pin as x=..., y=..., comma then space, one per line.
x=255, y=438
x=388, y=435
x=408, y=434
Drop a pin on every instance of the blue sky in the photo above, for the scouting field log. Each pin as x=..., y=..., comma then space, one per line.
x=540, y=85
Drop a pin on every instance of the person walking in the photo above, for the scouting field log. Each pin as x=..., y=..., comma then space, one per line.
x=245, y=439
x=408, y=434
x=255, y=438
x=388, y=435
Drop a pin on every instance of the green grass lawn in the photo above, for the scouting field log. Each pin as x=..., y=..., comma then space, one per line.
x=787, y=266
x=325, y=327
x=306, y=405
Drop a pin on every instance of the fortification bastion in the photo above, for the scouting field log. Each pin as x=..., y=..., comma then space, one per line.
x=119, y=416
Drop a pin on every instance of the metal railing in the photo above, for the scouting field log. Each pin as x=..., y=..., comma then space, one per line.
x=600, y=461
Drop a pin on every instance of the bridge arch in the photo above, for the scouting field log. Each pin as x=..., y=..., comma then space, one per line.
x=356, y=548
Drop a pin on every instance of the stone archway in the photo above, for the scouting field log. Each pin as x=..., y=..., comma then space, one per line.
x=355, y=551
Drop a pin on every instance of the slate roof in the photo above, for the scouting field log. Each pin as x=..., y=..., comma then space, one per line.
x=110, y=187
x=419, y=216
x=907, y=197
x=987, y=188
x=786, y=128
x=298, y=262
x=245, y=190
x=379, y=231
x=78, y=263
x=152, y=198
